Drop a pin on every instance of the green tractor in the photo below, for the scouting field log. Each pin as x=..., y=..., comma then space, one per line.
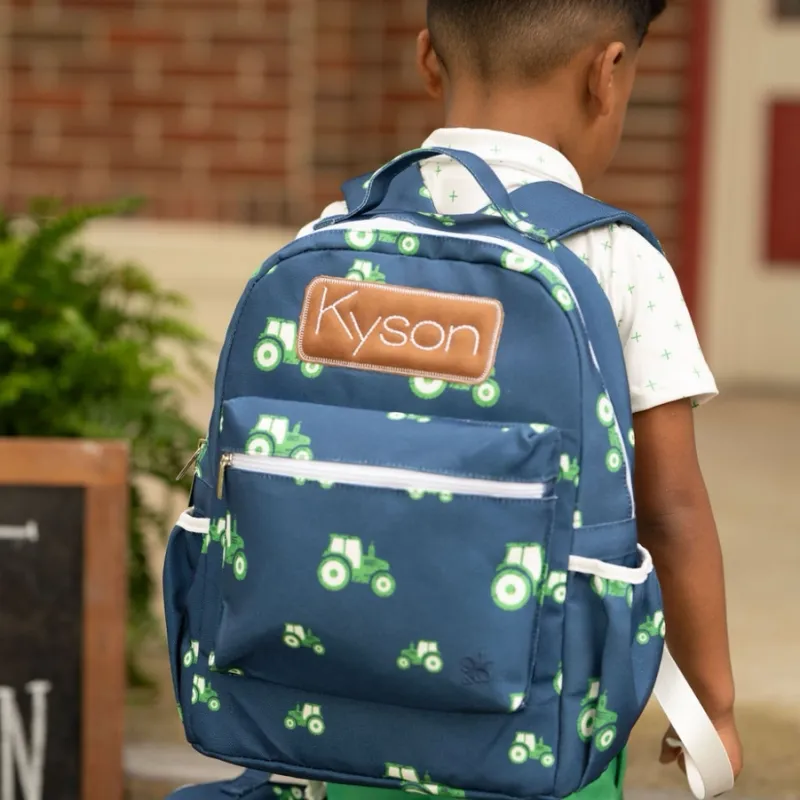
x=399, y=416
x=516, y=701
x=652, y=628
x=192, y=654
x=273, y=437
x=596, y=719
x=212, y=665
x=607, y=418
x=306, y=716
x=555, y=586
x=485, y=395
x=411, y=783
x=292, y=793
x=203, y=693
x=604, y=587
x=216, y=529
x=418, y=494
x=518, y=577
x=344, y=561
x=569, y=470
x=361, y=239
x=278, y=345
x=442, y=219
x=296, y=636
x=559, y=290
x=527, y=748
x=423, y=654
x=365, y=271
x=232, y=547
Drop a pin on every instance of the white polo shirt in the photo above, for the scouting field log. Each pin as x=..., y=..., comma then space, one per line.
x=662, y=353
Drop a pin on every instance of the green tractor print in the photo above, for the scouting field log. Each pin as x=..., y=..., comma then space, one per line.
x=569, y=470
x=555, y=587
x=192, y=654
x=607, y=418
x=652, y=628
x=296, y=636
x=344, y=561
x=232, y=547
x=399, y=416
x=419, y=494
x=212, y=665
x=365, y=271
x=294, y=793
x=407, y=243
x=307, y=716
x=278, y=345
x=203, y=693
x=411, y=783
x=442, y=219
x=518, y=577
x=596, y=719
x=527, y=748
x=516, y=701
x=521, y=576
x=273, y=437
x=484, y=395
x=603, y=587
x=216, y=529
x=558, y=681
x=423, y=654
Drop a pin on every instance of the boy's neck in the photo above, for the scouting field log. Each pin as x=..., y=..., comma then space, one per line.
x=537, y=115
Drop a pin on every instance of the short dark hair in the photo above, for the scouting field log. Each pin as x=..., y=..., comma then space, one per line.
x=528, y=38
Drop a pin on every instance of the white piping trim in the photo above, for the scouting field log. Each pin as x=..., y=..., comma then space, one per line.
x=612, y=572
x=201, y=525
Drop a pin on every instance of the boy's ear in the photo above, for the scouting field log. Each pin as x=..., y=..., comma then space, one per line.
x=428, y=65
x=605, y=77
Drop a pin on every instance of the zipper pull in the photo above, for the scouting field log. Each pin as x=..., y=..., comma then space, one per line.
x=225, y=461
x=193, y=460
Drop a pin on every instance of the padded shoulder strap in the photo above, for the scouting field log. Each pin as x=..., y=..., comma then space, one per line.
x=563, y=212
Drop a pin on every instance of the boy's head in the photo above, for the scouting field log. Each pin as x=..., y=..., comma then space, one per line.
x=565, y=66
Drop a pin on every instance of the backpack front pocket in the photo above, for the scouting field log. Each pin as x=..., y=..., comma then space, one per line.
x=389, y=559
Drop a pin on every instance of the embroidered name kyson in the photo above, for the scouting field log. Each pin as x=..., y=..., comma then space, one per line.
x=399, y=329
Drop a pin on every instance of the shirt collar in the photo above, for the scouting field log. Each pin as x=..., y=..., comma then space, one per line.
x=510, y=150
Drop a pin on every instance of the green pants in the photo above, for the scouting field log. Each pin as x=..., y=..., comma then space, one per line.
x=608, y=787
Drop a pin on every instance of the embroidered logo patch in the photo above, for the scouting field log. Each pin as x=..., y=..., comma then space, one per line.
x=399, y=330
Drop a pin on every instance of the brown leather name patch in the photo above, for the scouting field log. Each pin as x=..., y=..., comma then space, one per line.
x=401, y=330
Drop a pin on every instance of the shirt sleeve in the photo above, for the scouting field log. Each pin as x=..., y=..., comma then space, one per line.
x=333, y=210
x=663, y=357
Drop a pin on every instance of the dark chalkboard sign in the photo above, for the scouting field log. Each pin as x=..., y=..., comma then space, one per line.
x=63, y=523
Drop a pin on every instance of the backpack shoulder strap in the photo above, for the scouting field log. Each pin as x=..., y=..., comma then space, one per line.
x=563, y=212
x=407, y=192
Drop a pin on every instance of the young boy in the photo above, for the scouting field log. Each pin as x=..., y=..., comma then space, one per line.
x=539, y=89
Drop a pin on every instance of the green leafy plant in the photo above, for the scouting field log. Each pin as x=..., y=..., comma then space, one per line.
x=95, y=349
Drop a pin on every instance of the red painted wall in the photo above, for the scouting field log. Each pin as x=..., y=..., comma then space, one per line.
x=783, y=225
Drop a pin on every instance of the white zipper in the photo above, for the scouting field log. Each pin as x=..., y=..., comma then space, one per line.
x=371, y=477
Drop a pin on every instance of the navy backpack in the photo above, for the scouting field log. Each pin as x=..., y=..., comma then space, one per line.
x=411, y=557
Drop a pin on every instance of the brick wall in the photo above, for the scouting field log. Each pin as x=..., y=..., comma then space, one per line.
x=256, y=110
